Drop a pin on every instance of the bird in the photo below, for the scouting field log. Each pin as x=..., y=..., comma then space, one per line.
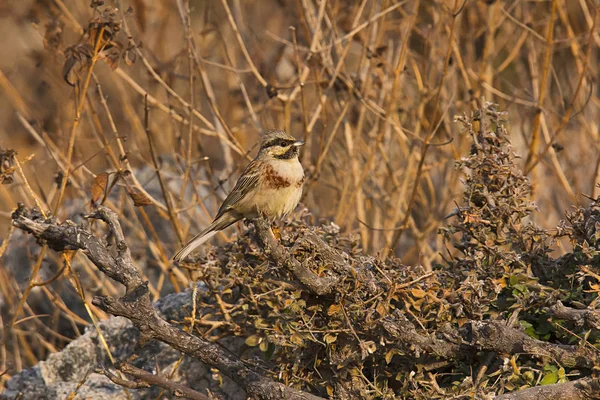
x=269, y=187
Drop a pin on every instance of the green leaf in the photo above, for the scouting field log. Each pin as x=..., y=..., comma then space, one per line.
x=520, y=287
x=270, y=351
x=549, y=378
x=525, y=324
x=532, y=333
x=529, y=329
x=528, y=376
x=550, y=368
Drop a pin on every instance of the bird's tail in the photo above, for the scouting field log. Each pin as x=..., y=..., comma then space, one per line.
x=218, y=224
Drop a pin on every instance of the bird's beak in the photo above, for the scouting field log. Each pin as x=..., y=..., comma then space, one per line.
x=298, y=143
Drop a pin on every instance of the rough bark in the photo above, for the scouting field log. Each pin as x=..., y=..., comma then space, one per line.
x=581, y=389
x=495, y=336
x=316, y=284
x=588, y=317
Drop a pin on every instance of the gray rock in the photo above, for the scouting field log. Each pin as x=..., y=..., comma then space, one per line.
x=59, y=376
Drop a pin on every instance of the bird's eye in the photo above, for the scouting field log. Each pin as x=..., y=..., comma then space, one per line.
x=281, y=143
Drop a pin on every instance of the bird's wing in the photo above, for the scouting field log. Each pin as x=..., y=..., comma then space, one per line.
x=245, y=184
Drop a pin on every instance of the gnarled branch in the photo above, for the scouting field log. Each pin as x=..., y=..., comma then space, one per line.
x=496, y=336
x=585, y=316
x=279, y=254
x=136, y=304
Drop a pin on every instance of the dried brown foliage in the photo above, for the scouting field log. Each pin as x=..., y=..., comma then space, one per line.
x=168, y=100
x=388, y=329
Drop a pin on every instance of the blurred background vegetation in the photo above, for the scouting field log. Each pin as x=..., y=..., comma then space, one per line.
x=179, y=92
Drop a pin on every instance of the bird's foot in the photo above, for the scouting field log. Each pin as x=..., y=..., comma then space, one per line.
x=276, y=231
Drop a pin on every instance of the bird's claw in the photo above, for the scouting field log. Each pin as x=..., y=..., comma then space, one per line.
x=276, y=232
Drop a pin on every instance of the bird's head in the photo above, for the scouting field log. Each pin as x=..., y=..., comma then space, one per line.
x=279, y=145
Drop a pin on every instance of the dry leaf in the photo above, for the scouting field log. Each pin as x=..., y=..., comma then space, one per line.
x=296, y=339
x=381, y=309
x=139, y=198
x=253, y=340
x=7, y=169
x=76, y=56
x=99, y=187
x=263, y=346
x=333, y=309
x=130, y=55
x=330, y=338
x=389, y=355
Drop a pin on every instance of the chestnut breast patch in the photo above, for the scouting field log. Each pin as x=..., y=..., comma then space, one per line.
x=274, y=180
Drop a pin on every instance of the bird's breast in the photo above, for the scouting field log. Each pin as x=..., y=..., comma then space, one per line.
x=281, y=174
x=281, y=188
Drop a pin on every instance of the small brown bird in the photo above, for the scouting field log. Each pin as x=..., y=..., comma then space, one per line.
x=270, y=186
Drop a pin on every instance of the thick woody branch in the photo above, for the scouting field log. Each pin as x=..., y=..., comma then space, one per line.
x=496, y=336
x=492, y=336
x=581, y=389
x=403, y=331
x=586, y=316
x=144, y=377
x=136, y=304
x=281, y=256
x=68, y=236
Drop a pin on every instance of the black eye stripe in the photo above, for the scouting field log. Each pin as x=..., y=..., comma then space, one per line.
x=278, y=142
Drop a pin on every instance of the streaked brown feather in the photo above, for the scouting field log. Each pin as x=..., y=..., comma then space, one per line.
x=247, y=181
